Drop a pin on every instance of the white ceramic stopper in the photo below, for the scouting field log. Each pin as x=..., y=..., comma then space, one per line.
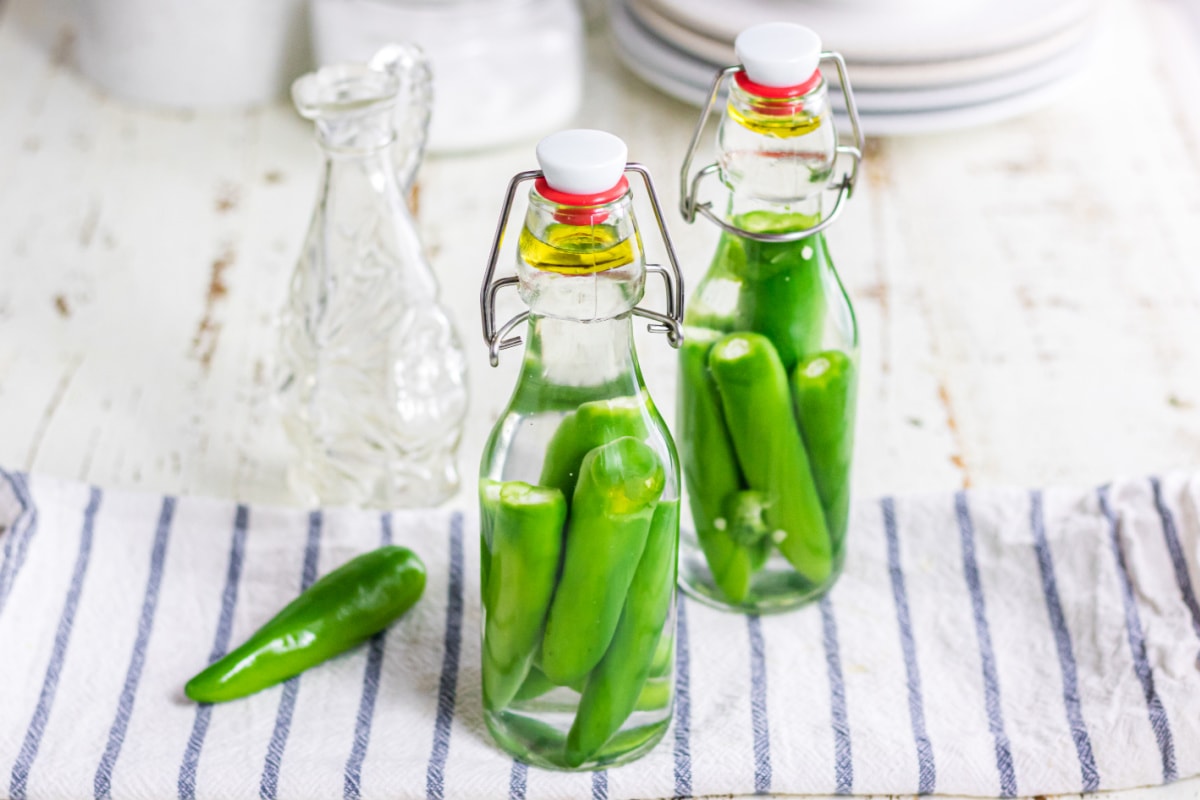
x=778, y=54
x=582, y=161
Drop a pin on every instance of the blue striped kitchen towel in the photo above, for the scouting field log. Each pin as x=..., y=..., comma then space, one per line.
x=992, y=643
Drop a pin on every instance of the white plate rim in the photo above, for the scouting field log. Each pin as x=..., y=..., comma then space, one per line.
x=877, y=75
x=663, y=58
x=871, y=35
x=881, y=124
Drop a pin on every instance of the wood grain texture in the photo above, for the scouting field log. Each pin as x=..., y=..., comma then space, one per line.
x=1028, y=293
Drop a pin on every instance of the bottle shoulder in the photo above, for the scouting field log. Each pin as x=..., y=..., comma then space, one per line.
x=787, y=291
x=527, y=436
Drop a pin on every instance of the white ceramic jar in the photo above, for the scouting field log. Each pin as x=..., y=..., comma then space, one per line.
x=190, y=54
x=503, y=70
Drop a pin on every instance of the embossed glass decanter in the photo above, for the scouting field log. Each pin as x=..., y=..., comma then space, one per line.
x=372, y=383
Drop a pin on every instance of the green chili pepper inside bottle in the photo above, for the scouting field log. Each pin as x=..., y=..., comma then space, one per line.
x=579, y=481
x=769, y=363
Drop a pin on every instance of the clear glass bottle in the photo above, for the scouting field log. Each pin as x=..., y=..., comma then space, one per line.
x=373, y=378
x=579, y=482
x=768, y=369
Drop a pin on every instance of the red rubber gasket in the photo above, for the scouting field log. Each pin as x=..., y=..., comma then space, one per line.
x=568, y=199
x=777, y=92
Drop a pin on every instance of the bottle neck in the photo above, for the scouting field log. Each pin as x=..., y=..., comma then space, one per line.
x=581, y=264
x=581, y=283
x=358, y=156
x=777, y=154
x=572, y=353
x=744, y=208
x=568, y=362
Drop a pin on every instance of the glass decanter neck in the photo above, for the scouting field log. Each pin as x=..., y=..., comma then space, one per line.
x=351, y=105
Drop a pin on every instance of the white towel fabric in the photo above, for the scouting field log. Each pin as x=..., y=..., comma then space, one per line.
x=990, y=643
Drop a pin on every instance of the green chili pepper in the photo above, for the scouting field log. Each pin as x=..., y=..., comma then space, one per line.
x=760, y=553
x=664, y=657
x=658, y=683
x=758, y=410
x=746, y=517
x=527, y=533
x=345, y=607
x=614, y=501
x=544, y=740
x=746, y=521
x=536, y=684
x=655, y=695
x=823, y=390
x=526, y=736
x=711, y=468
x=632, y=739
x=614, y=686
x=782, y=297
x=489, y=504
x=592, y=424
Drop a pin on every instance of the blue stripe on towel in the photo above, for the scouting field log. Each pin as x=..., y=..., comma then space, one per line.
x=683, y=706
x=758, y=706
x=435, y=774
x=269, y=784
x=186, y=783
x=352, y=788
x=11, y=535
x=991, y=682
x=16, y=544
x=386, y=537
x=1062, y=640
x=1137, y=646
x=926, y=769
x=1178, y=559
x=600, y=785
x=843, y=755
x=102, y=784
x=41, y=714
x=517, y=781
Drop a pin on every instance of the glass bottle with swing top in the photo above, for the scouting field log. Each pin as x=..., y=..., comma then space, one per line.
x=579, y=481
x=768, y=367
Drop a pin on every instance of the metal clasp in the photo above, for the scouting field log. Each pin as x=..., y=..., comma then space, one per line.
x=689, y=185
x=670, y=323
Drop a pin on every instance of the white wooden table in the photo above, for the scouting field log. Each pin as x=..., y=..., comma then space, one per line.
x=1028, y=293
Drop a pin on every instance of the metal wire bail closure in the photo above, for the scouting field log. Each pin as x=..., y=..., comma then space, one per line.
x=689, y=185
x=670, y=323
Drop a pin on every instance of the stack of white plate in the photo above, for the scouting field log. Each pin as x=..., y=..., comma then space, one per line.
x=916, y=65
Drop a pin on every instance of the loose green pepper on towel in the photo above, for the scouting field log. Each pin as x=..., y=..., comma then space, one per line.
x=345, y=607
x=527, y=534
x=758, y=410
x=613, y=504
